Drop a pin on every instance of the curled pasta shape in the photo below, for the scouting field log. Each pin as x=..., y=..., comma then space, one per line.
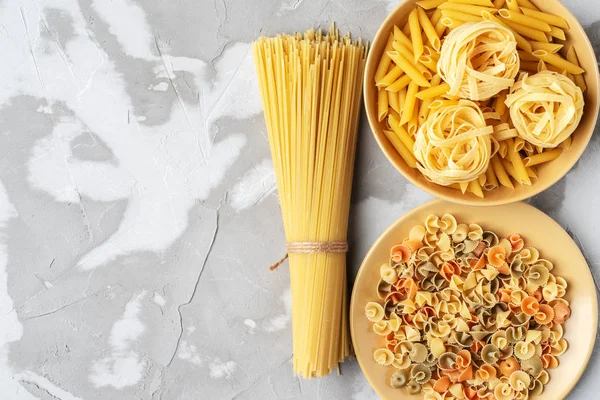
x=545, y=108
x=442, y=384
x=496, y=256
x=499, y=340
x=516, y=334
x=549, y=361
x=545, y=314
x=524, y=350
x=460, y=234
x=400, y=379
x=419, y=353
x=417, y=233
x=562, y=312
x=517, y=268
x=401, y=361
x=544, y=377
x=529, y=255
x=520, y=380
x=490, y=354
x=383, y=357
x=394, y=322
x=537, y=275
x=486, y=372
x=381, y=328
x=530, y=305
x=454, y=144
x=536, y=388
x=374, y=311
x=383, y=289
x=420, y=374
x=559, y=348
x=533, y=366
x=401, y=253
x=448, y=224
x=432, y=223
x=479, y=60
x=447, y=361
x=388, y=274
x=504, y=391
x=508, y=366
x=413, y=387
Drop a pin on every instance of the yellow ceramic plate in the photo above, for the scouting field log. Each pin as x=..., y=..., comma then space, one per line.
x=539, y=231
x=549, y=173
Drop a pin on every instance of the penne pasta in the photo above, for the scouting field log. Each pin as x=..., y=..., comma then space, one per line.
x=435, y=17
x=426, y=72
x=442, y=103
x=526, y=31
x=409, y=68
x=401, y=133
x=517, y=162
x=402, y=100
x=440, y=27
x=527, y=4
x=466, y=8
x=413, y=124
x=382, y=104
x=415, y=34
x=500, y=173
x=551, y=19
x=461, y=16
x=525, y=56
x=401, y=38
x=512, y=5
x=393, y=101
x=483, y=3
x=491, y=181
x=409, y=106
x=558, y=61
x=530, y=66
x=432, y=36
x=433, y=91
x=549, y=47
x=429, y=4
x=451, y=23
x=475, y=188
x=522, y=43
x=542, y=157
x=557, y=33
x=385, y=61
x=572, y=58
x=390, y=77
x=406, y=155
x=429, y=62
x=399, y=84
x=517, y=17
x=499, y=3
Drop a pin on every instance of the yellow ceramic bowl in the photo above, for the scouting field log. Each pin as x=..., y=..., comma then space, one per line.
x=549, y=173
x=539, y=231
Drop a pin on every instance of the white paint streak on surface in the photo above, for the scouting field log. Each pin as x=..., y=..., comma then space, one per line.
x=280, y=322
x=160, y=87
x=159, y=300
x=254, y=186
x=122, y=16
x=189, y=352
x=124, y=366
x=45, y=384
x=220, y=369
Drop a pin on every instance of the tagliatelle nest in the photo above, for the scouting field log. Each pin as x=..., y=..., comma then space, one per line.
x=545, y=108
x=478, y=60
x=454, y=145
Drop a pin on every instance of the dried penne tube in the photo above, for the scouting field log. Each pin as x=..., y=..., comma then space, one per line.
x=566, y=143
x=415, y=34
x=399, y=84
x=512, y=5
x=499, y=3
x=429, y=4
x=500, y=172
x=429, y=62
x=401, y=133
x=437, y=103
x=402, y=100
x=515, y=158
x=519, y=143
x=426, y=72
x=491, y=181
x=557, y=33
x=542, y=157
x=558, y=61
x=409, y=106
x=390, y=77
x=526, y=31
x=424, y=110
x=525, y=56
x=440, y=27
x=484, y=3
x=579, y=79
x=409, y=68
x=475, y=188
x=413, y=124
x=551, y=19
x=451, y=23
x=432, y=36
x=517, y=17
x=502, y=149
x=433, y=91
x=549, y=47
x=385, y=61
x=531, y=172
x=461, y=16
x=382, y=104
x=530, y=66
x=466, y=8
x=499, y=104
x=527, y=4
x=522, y=43
x=401, y=38
x=406, y=154
x=435, y=17
x=393, y=101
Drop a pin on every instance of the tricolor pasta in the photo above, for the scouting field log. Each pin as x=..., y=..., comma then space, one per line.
x=468, y=313
x=503, y=56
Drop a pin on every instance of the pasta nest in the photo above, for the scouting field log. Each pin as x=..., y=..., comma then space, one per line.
x=478, y=60
x=454, y=145
x=545, y=108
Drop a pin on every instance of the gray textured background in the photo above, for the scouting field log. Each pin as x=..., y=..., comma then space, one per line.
x=137, y=206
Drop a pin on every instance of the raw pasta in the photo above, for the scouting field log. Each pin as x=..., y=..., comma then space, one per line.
x=485, y=321
x=480, y=50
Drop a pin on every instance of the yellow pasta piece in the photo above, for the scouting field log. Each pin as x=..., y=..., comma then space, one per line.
x=475, y=188
x=409, y=106
x=409, y=68
x=525, y=56
x=558, y=61
x=385, y=61
x=413, y=124
x=440, y=27
x=512, y=5
x=499, y=3
x=461, y=16
x=433, y=91
x=429, y=4
x=566, y=144
x=526, y=31
x=517, y=162
x=393, y=101
x=551, y=19
x=530, y=66
x=491, y=181
x=402, y=134
x=442, y=103
x=517, y=17
x=399, y=84
x=401, y=38
x=521, y=41
x=429, y=30
x=406, y=155
x=483, y=3
x=542, y=157
x=549, y=47
x=500, y=172
x=415, y=34
x=426, y=72
x=572, y=58
x=435, y=17
x=451, y=23
x=526, y=4
x=402, y=99
x=466, y=8
x=557, y=33
x=428, y=62
x=390, y=77
x=382, y=104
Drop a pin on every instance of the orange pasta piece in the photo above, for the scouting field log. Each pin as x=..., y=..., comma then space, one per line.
x=477, y=265
x=477, y=345
x=497, y=256
x=530, y=305
x=486, y=372
x=478, y=251
x=562, y=312
x=401, y=253
x=516, y=242
x=450, y=268
x=464, y=359
x=504, y=294
x=414, y=244
x=549, y=361
x=453, y=374
x=466, y=374
x=508, y=366
x=545, y=315
x=442, y=384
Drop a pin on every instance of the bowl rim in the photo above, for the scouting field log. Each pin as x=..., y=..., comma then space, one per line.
x=435, y=203
x=462, y=198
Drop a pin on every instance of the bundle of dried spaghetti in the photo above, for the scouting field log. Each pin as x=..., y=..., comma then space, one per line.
x=311, y=87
